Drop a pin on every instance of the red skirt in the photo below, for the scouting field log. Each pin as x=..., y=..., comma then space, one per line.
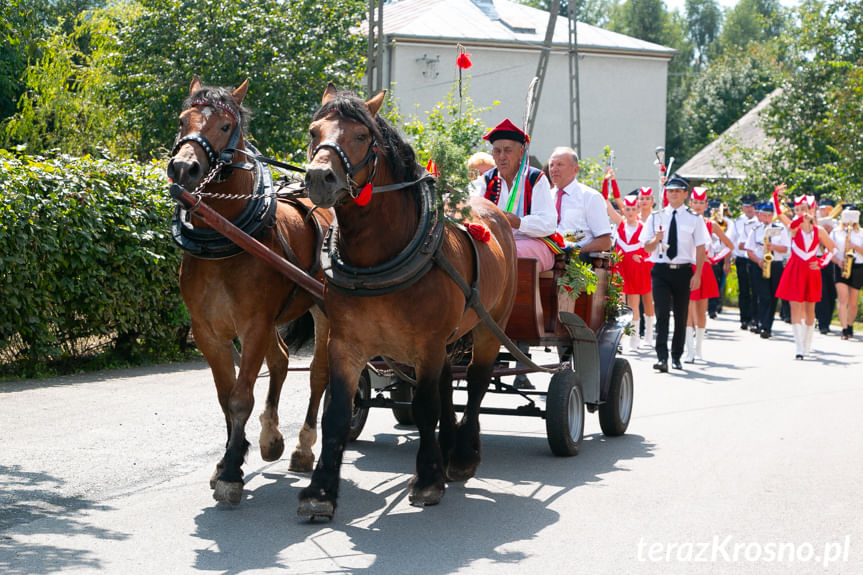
x=708, y=288
x=799, y=282
x=635, y=275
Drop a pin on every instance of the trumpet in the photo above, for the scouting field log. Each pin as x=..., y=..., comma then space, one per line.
x=768, y=256
x=848, y=262
x=718, y=217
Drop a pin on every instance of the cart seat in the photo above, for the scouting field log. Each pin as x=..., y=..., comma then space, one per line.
x=538, y=302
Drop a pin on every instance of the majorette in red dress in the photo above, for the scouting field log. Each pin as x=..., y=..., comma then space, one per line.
x=708, y=288
x=799, y=282
x=636, y=276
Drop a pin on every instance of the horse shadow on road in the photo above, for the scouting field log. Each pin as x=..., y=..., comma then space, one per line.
x=376, y=531
x=29, y=502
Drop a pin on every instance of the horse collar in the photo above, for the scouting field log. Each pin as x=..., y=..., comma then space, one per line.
x=400, y=272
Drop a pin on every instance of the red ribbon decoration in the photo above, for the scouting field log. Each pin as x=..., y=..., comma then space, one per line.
x=463, y=61
x=479, y=232
x=365, y=195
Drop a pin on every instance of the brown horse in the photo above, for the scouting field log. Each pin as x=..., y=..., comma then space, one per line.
x=388, y=293
x=231, y=294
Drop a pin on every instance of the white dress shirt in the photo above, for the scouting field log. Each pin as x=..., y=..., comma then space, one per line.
x=743, y=226
x=691, y=233
x=582, y=209
x=780, y=236
x=838, y=237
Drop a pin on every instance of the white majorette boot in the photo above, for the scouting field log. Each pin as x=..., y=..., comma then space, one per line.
x=649, y=320
x=799, y=334
x=634, y=340
x=690, y=345
x=699, y=340
x=808, y=331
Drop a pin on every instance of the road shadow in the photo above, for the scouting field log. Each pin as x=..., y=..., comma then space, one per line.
x=30, y=503
x=511, y=499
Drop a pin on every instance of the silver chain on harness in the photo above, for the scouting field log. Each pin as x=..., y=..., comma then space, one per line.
x=289, y=180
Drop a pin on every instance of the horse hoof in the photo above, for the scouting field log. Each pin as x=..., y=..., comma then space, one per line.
x=459, y=474
x=273, y=450
x=430, y=495
x=312, y=509
x=302, y=462
x=228, y=492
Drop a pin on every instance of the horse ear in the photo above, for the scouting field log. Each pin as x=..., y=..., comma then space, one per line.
x=195, y=85
x=375, y=103
x=240, y=92
x=329, y=92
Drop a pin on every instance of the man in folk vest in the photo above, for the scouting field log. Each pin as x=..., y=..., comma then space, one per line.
x=522, y=192
x=582, y=209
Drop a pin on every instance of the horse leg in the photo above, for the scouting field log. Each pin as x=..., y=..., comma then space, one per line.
x=220, y=358
x=229, y=483
x=446, y=435
x=427, y=485
x=303, y=458
x=466, y=455
x=271, y=441
x=319, y=498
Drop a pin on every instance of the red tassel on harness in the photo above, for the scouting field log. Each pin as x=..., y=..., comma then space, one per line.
x=365, y=195
x=479, y=232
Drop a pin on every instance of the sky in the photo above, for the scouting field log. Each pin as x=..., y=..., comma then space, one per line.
x=679, y=4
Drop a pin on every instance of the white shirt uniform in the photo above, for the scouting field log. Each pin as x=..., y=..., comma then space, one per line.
x=743, y=226
x=582, y=209
x=779, y=236
x=691, y=233
x=838, y=237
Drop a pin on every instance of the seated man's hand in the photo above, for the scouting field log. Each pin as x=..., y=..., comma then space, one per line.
x=514, y=220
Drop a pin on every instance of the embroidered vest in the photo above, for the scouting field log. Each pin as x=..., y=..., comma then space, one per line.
x=492, y=186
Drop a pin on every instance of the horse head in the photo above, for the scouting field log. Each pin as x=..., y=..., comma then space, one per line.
x=211, y=129
x=344, y=146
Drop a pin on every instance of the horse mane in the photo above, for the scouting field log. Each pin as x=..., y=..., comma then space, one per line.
x=398, y=152
x=224, y=95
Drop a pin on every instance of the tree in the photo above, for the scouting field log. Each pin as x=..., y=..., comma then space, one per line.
x=752, y=21
x=593, y=12
x=703, y=20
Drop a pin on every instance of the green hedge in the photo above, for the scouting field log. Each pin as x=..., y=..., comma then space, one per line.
x=86, y=260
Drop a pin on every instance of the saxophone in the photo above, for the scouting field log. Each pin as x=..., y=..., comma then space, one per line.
x=768, y=255
x=849, y=254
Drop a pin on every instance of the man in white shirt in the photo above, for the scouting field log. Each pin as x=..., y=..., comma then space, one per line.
x=746, y=271
x=676, y=239
x=581, y=209
x=765, y=288
x=522, y=192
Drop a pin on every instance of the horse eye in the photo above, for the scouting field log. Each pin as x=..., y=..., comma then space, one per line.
x=226, y=127
x=362, y=137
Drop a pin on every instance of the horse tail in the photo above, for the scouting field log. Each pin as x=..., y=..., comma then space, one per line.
x=297, y=333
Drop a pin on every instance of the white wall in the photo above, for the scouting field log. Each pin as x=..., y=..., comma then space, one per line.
x=622, y=98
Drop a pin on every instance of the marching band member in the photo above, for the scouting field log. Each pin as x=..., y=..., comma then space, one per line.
x=801, y=279
x=743, y=225
x=849, y=238
x=824, y=308
x=698, y=298
x=767, y=246
x=675, y=238
x=634, y=267
x=717, y=212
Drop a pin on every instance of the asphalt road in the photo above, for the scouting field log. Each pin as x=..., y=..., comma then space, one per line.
x=749, y=462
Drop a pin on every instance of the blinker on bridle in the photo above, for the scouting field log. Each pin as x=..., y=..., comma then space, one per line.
x=214, y=158
x=363, y=196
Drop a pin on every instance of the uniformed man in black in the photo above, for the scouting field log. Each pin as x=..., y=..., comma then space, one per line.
x=676, y=239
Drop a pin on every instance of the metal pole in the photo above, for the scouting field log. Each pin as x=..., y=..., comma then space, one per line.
x=370, y=54
x=574, y=107
x=542, y=65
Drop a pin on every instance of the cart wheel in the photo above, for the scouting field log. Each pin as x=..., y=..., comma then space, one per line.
x=615, y=413
x=359, y=414
x=564, y=414
x=402, y=392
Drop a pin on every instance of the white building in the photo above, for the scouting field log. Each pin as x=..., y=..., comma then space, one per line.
x=622, y=80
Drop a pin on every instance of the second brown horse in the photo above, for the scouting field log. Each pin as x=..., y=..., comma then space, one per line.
x=400, y=306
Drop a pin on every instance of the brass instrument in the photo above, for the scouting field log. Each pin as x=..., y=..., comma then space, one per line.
x=848, y=263
x=768, y=255
x=718, y=217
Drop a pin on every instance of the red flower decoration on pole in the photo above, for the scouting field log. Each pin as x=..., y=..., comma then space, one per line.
x=463, y=61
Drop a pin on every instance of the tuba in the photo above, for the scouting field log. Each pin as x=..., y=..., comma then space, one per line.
x=848, y=262
x=768, y=255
